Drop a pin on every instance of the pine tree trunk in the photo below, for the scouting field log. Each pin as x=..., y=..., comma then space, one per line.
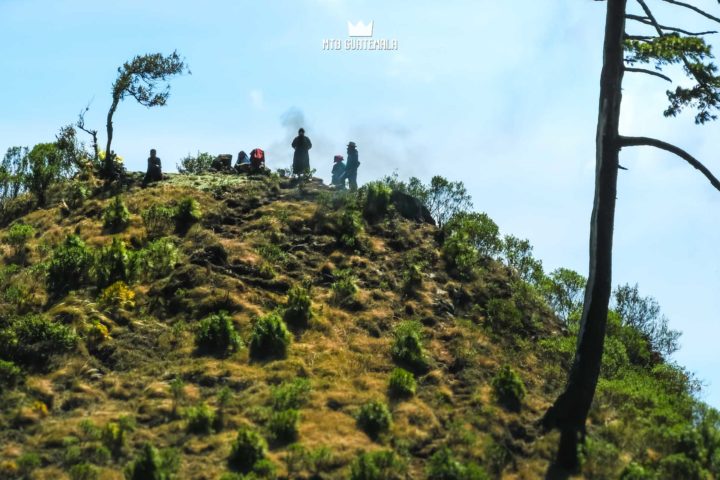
x=570, y=411
x=109, y=166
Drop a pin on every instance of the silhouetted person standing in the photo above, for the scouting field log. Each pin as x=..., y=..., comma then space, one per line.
x=154, y=168
x=301, y=158
x=338, y=173
x=352, y=166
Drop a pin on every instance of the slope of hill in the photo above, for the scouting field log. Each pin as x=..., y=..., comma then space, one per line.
x=243, y=327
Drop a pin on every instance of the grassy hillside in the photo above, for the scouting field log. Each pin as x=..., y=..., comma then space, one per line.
x=216, y=326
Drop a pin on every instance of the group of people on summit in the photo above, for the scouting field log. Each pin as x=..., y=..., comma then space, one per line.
x=255, y=163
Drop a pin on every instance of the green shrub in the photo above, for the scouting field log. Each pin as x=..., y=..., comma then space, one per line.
x=114, y=435
x=374, y=418
x=270, y=337
x=151, y=464
x=412, y=278
x=69, y=266
x=350, y=229
x=443, y=466
x=84, y=471
x=114, y=263
x=503, y=316
x=17, y=237
x=247, y=450
x=216, y=334
x=290, y=395
x=636, y=472
x=158, y=259
x=298, y=310
x=344, y=288
x=200, y=419
x=27, y=462
x=31, y=340
x=679, y=466
x=116, y=216
x=159, y=221
x=376, y=201
x=508, y=388
x=407, y=349
x=10, y=375
x=478, y=229
x=460, y=255
x=380, y=465
x=283, y=425
x=402, y=384
x=187, y=213
x=199, y=163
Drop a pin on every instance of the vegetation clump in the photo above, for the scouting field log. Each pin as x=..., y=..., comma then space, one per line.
x=407, y=349
x=270, y=337
x=374, y=418
x=509, y=388
x=402, y=384
x=248, y=449
x=116, y=216
x=298, y=309
x=69, y=266
x=217, y=335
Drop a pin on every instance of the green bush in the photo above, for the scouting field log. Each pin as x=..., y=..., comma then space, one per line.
x=114, y=435
x=503, y=316
x=158, y=259
x=270, y=337
x=374, y=418
x=283, y=425
x=290, y=395
x=636, y=472
x=298, y=310
x=159, y=221
x=443, y=466
x=17, y=237
x=200, y=419
x=402, y=384
x=31, y=340
x=69, y=266
x=247, y=450
x=380, y=465
x=478, y=229
x=412, y=278
x=376, y=201
x=199, y=163
x=10, y=374
x=460, y=255
x=407, y=349
x=344, y=288
x=679, y=466
x=217, y=335
x=509, y=388
x=151, y=464
x=350, y=229
x=84, y=471
x=116, y=216
x=114, y=263
x=187, y=213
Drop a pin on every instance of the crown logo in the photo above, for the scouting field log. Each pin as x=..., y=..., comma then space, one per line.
x=360, y=29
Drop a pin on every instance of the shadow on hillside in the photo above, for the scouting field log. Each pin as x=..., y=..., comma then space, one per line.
x=555, y=472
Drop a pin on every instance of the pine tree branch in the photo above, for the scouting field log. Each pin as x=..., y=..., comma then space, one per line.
x=649, y=20
x=695, y=9
x=652, y=142
x=649, y=72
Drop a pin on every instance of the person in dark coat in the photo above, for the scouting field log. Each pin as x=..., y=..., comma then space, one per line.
x=243, y=162
x=338, y=173
x=154, y=168
x=352, y=166
x=301, y=158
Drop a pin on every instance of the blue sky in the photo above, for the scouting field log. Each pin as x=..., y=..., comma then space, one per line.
x=501, y=95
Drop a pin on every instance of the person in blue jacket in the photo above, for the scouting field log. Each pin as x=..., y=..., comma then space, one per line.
x=352, y=166
x=338, y=173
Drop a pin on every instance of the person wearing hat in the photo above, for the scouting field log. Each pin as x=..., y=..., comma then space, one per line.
x=338, y=173
x=352, y=166
x=301, y=157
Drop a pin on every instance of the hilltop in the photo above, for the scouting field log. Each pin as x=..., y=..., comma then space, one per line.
x=253, y=327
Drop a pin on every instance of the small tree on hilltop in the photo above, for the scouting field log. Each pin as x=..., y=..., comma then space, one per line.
x=140, y=79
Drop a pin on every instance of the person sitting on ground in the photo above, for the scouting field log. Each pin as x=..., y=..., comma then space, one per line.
x=301, y=157
x=257, y=161
x=352, y=166
x=154, y=168
x=338, y=173
x=243, y=162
